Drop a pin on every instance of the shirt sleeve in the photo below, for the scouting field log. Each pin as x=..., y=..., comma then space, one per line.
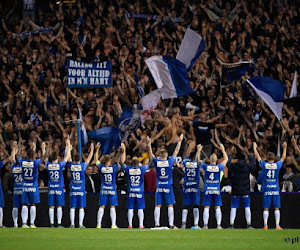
x=62, y=165
x=262, y=164
x=221, y=166
x=84, y=166
x=279, y=164
x=37, y=162
x=116, y=167
x=171, y=161
x=125, y=168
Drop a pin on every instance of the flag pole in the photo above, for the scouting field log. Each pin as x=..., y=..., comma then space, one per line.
x=79, y=139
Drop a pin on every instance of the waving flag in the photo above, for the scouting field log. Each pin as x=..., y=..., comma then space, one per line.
x=271, y=91
x=170, y=75
x=294, y=86
x=83, y=130
x=108, y=137
x=191, y=48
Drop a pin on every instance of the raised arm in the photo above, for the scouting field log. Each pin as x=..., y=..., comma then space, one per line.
x=176, y=151
x=123, y=155
x=96, y=155
x=257, y=156
x=90, y=154
x=225, y=156
x=284, y=145
x=294, y=141
x=68, y=154
x=198, y=154
x=151, y=155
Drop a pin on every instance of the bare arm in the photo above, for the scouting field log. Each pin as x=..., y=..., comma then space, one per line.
x=284, y=145
x=176, y=151
x=90, y=154
x=198, y=154
x=257, y=156
x=225, y=156
x=294, y=141
x=123, y=155
x=151, y=155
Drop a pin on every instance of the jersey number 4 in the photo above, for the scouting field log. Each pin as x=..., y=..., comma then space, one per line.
x=211, y=176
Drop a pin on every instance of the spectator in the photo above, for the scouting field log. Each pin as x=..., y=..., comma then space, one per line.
x=289, y=180
x=150, y=180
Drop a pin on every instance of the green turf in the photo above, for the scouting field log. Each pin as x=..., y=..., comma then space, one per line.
x=46, y=238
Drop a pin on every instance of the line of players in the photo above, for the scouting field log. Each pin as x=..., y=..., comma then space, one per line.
x=26, y=191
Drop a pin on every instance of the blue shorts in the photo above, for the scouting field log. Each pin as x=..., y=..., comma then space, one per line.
x=269, y=199
x=135, y=199
x=56, y=198
x=164, y=195
x=207, y=199
x=235, y=201
x=1, y=197
x=191, y=198
x=17, y=200
x=112, y=198
x=77, y=200
x=31, y=197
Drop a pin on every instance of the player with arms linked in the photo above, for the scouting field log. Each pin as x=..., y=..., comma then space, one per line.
x=77, y=187
x=56, y=195
x=108, y=191
x=30, y=192
x=191, y=188
x=212, y=175
x=135, y=193
x=164, y=187
x=270, y=185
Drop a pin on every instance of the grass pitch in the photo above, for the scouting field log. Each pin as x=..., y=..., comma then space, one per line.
x=47, y=238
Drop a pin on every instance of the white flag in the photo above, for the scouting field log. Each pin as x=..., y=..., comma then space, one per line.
x=294, y=87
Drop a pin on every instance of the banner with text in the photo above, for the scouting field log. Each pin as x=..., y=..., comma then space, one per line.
x=89, y=75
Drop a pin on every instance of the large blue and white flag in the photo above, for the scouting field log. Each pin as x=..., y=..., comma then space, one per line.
x=294, y=91
x=271, y=91
x=191, y=48
x=108, y=137
x=170, y=75
x=83, y=130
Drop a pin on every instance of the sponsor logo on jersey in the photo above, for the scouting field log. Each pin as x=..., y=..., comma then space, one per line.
x=77, y=193
x=211, y=168
x=135, y=195
x=135, y=171
x=191, y=190
x=76, y=168
x=271, y=166
x=57, y=192
x=54, y=166
x=272, y=193
x=108, y=192
x=17, y=170
x=162, y=164
x=107, y=170
x=163, y=190
x=28, y=164
x=29, y=190
x=191, y=164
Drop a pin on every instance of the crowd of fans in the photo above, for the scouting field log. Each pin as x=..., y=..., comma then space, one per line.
x=37, y=106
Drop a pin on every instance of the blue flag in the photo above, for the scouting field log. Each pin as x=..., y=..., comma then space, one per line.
x=109, y=137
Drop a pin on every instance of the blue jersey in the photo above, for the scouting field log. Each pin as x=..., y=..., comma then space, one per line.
x=164, y=170
x=135, y=178
x=30, y=171
x=191, y=173
x=212, y=178
x=108, y=177
x=55, y=175
x=1, y=166
x=77, y=172
x=17, y=176
x=270, y=175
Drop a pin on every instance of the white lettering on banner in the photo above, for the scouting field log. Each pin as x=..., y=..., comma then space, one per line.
x=76, y=72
